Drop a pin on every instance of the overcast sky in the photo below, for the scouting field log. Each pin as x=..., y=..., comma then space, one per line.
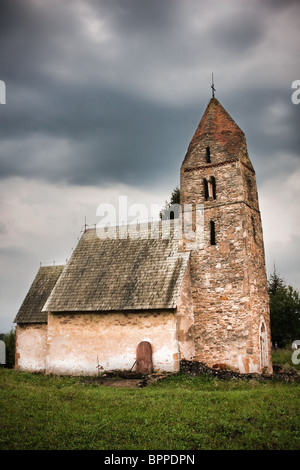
x=102, y=100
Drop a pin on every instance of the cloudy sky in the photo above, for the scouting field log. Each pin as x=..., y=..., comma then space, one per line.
x=102, y=99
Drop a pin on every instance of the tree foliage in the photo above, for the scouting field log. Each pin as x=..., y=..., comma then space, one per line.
x=171, y=209
x=284, y=311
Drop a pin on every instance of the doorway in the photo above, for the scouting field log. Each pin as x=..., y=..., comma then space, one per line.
x=263, y=344
x=144, y=363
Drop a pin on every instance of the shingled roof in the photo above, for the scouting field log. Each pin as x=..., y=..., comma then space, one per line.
x=31, y=308
x=120, y=274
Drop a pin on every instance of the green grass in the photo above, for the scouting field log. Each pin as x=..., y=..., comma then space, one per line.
x=179, y=413
x=284, y=357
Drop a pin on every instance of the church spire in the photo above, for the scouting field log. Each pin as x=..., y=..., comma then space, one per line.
x=216, y=125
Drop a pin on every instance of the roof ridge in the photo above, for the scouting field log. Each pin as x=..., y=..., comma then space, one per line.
x=158, y=228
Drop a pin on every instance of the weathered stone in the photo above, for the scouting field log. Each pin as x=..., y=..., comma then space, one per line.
x=235, y=261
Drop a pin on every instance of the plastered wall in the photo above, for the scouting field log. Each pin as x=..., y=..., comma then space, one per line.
x=88, y=343
x=31, y=347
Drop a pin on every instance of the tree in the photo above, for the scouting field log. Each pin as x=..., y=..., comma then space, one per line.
x=171, y=209
x=284, y=311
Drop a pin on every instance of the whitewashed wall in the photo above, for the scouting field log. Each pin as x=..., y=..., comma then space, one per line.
x=31, y=347
x=88, y=343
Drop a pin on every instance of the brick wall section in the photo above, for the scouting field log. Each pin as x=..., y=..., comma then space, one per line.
x=229, y=284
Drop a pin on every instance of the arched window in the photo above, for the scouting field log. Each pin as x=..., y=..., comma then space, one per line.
x=208, y=155
x=209, y=188
x=212, y=233
x=263, y=345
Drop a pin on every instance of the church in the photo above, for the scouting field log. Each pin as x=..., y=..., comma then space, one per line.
x=148, y=302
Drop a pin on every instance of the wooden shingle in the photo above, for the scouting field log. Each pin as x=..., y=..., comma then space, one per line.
x=31, y=308
x=120, y=274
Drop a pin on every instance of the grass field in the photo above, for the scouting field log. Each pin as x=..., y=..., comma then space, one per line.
x=178, y=413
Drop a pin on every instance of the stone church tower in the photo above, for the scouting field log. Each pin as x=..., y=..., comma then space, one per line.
x=228, y=275
x=157, y=300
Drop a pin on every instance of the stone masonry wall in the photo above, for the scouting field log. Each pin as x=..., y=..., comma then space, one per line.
x=185, y=319
x=228, y=276
x=221, y=298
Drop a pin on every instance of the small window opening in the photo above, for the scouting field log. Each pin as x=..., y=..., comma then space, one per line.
x=212, y=233
x=208, y=155
x=212, y=187
x=172, y=215
x=205, y=189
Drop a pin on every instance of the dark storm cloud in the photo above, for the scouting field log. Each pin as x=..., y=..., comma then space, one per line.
x=54, y=92
x=27, y=44
x=94, y=88
x=119, y=139
x=268, y=133
x=281, y=5
x=107, y=93
x=134, y=16
x=239, y=32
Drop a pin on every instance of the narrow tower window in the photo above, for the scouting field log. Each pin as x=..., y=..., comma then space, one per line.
x=205, y=183
x=212, y=233
x=208, y=155
x=212, y=187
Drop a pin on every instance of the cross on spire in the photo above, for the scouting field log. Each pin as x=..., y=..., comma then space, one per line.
x=212, y=85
